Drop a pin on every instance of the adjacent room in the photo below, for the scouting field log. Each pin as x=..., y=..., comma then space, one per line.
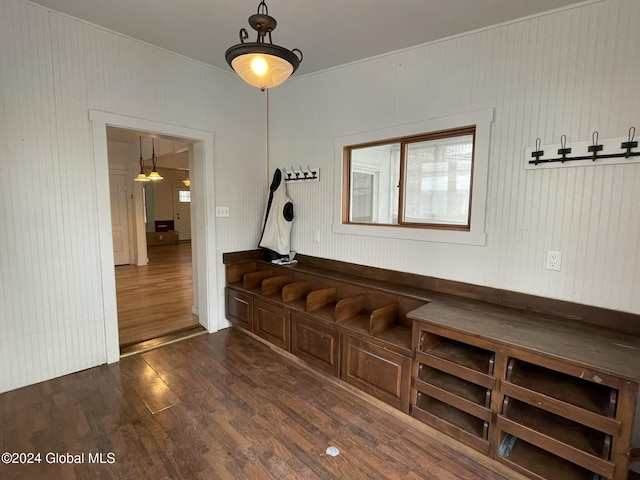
x=382, y=240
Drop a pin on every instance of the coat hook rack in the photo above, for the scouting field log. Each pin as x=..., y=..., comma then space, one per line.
x=607, y=149
x=308, y=174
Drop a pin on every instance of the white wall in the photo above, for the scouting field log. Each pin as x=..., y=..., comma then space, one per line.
x=53, y=69
x=571, y=72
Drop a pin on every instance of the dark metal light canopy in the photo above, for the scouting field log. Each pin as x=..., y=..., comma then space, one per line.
x=263, y=65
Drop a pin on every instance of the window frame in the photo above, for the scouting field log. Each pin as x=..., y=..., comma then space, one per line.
x=404, y=143
x=475, y=234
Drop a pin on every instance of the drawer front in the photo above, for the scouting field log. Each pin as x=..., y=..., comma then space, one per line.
x=381, y=373
x=316, y=343
x=272, y=322
x=239, y=308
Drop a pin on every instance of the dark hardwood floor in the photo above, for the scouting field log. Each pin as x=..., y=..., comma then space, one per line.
x=156, y=299
x=219, y=406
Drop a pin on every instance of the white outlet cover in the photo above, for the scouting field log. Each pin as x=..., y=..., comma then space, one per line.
x=554, y=261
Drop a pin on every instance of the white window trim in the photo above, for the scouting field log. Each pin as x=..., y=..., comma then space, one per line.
x=476, y=235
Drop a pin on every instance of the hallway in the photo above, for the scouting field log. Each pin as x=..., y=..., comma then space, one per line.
x=156, y=299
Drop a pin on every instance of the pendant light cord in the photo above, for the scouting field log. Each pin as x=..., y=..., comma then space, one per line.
x=268, y=145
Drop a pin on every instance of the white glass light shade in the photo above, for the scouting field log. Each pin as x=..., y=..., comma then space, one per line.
x=154, y=175
x=141, y=178
x=262, y=70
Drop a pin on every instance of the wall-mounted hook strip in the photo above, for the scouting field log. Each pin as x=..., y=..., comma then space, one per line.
x=597, y=150
x=308, y=174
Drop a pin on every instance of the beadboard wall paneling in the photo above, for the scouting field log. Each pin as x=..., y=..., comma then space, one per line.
x=53, y=70
x=570, y=72
x=241, y=148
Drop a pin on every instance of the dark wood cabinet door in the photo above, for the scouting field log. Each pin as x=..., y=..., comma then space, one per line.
x=239, y=308
x=381, y=373
x=272, y=322
x=315, y=342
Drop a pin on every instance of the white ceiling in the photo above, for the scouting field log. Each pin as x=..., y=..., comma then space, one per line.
x=329, y=32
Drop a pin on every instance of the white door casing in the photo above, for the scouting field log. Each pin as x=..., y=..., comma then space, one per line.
x=206, y=267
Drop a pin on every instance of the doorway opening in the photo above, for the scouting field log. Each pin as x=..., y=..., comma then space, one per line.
x=205, y=302
x=152, y=244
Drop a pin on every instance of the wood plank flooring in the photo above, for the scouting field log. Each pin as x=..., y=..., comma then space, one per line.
x=156, y=299
x=219, y=406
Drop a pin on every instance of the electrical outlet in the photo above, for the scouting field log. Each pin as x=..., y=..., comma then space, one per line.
x=222, y=211
x=316, y=236
x=554, y=261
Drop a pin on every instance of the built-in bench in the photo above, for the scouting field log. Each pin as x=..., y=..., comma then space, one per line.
x=546, y=387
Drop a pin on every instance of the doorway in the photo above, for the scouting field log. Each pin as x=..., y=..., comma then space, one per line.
x=154, y=293
x=207, y=305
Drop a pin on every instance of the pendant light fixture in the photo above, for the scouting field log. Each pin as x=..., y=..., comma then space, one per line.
x=185, y=181
x=141, y=176
x=263, y=65
x=154, y=175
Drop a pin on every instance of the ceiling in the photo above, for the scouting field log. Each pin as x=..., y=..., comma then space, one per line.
x=329, y=32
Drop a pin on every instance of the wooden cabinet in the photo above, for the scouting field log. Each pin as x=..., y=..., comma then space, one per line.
x=271, y=322
x=378, y=371
x=358, y=333
x=567, y=423
x=239, y=308
x=452, y=386
x=551, y=412
x=549, y=398
x=316, y=342
x=168, y=237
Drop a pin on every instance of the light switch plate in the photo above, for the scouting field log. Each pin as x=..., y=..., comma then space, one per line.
x=222, y=211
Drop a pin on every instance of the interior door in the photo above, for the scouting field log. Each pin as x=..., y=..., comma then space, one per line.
x=182, y=209
x=119, y=218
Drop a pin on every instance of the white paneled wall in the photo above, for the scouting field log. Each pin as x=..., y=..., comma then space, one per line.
x=53, y=70
x=569, y=72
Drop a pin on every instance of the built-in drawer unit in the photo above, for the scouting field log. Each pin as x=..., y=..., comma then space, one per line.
x=523, y=392
x=452, y=385
x=567, y=421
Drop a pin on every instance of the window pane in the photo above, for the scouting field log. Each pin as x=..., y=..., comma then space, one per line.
x=184, y=196
x=438, y=181
x=375, y=173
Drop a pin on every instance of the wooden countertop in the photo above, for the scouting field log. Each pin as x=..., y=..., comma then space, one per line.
x=607, y=351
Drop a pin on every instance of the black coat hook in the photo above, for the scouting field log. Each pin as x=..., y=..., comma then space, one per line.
x=594, y=147
x=537, y=153
x=563, y=150
x=630, y=143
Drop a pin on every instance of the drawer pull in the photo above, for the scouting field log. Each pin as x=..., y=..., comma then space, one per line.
x=241, y=300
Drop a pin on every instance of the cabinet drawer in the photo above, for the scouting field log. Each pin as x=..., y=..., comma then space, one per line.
x=315, y=342
x=576, y=443
x=272, y=322
x=239, y=308
x=466, y=428
x=381, y=373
